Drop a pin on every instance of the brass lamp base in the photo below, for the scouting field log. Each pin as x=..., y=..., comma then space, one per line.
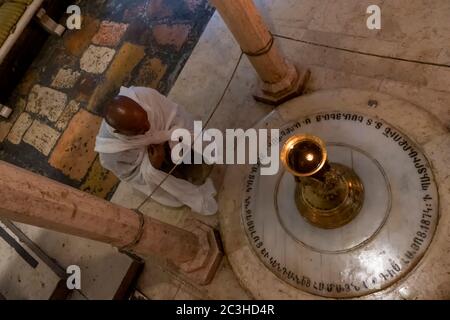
x=328, y=195
x=336, y=208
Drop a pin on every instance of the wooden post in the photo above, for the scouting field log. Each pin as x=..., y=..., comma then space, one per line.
x=29, y=198
x=281, y=80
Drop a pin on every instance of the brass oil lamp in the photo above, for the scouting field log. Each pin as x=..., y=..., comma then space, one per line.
x=327, y=195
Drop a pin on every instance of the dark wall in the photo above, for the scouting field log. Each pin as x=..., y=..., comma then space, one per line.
x=27, y=48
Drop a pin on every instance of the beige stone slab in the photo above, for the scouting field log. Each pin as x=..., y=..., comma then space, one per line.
x=433, y=77
x=156, y=283
x=414, y=30
x=18, y=279
x=96, y=59
x=128, y=197
x=331, y=68
x=436, y=102
x=238, y=108
x=210, y=66
x=41, y=136
x=20, y=127
x=47, y=102
x=72, y=107
x=6, y=125
x=65, y=78
x=102, y=267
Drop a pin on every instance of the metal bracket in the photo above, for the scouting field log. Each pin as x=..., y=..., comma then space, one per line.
x=50, y=25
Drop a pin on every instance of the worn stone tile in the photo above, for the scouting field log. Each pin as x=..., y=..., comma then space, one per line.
x=156, y=283
x=76, y=41
x=99, y=181
x=46, y=102
x=150, y=73
x=128, y=56
x=6, y=124
x=175, y=35
x=109, y=34
x=96, y=59
x=102, y=267
x=65, y=78
x=68, y=113
x=436, y=102
x=5, y=127
x=412, y=30
x=128, y=197
x=41, y=136
x=21, y=280
x=74, y=153
x=214, y=58
x=20, y=127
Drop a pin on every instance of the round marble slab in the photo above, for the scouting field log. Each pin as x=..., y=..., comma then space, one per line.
x=385, y=250
x=382, y=244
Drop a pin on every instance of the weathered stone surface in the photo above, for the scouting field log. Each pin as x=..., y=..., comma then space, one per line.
x=41, y=136
x=65, y=78
x=74, y=153
x=68, y=113
x=5, y=127
x=20, y=127
x=6, y=124
x=109, y=34
x=125, y=61
x=99, y=181
x=175, y=35
x=96, y=59
x=46, y=102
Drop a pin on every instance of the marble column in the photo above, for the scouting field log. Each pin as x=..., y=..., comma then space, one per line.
x=32, y=199
x=280, y=79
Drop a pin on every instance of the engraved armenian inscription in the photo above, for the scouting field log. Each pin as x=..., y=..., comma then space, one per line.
x=392, y=252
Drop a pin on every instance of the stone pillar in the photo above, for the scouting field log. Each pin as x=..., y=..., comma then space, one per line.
x=31, y=199
x=281, y=80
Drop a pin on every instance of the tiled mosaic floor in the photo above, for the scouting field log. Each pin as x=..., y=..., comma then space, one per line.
x=58, y=104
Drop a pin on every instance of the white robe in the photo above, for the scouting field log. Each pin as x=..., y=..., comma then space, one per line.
x=127, y=157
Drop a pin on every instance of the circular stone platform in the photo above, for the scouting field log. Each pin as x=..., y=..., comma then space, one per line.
x=398, y=245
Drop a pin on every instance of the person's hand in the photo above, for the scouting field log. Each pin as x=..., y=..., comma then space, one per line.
x=157, y=155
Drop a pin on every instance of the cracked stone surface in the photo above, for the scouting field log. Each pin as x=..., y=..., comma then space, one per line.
x=65, y=78
x=96, y=59
x=46, y=102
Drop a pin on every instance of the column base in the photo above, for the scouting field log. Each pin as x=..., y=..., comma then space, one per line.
x=202, y=269
x=292, y=86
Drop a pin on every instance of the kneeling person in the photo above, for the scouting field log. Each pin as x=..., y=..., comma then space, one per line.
x=134, y=143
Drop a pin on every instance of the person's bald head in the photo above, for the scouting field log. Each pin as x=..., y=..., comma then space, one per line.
x=126, y=116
